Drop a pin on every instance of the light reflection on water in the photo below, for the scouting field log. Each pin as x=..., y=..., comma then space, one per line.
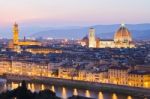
x=28, y=86
x=129, y=97
x=114, y=96
x=65, y=92
x=75, y=92
x=87, y=93
x=14, y=85
x=42, y=87
x=100, y=95
x=53, y=88
x=32, y=87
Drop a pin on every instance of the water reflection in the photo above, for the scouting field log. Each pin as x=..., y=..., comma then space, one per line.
x=100, y=95
x=42, y=87
x=14, y=85
x=5, y=87
x=28, y=86
x=129, y=97
x=114, y=96
x=19, y=84
x=64, y=93
x=75, y=92
x=53, y=88
x=87, y=93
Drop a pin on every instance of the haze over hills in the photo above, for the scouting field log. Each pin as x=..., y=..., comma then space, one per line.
x=139, y=31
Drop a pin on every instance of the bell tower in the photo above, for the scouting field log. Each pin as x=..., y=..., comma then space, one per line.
x=92, y=40
x=15, y=34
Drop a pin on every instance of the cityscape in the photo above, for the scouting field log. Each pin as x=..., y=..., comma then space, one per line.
x=116, y=66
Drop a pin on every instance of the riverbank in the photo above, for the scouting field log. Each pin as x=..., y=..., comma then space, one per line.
x=141, y=93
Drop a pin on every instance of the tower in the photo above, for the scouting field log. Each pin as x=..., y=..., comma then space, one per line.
x=15, y=34
x=92, y=40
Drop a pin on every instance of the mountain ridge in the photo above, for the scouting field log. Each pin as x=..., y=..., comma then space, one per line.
x=139, y=31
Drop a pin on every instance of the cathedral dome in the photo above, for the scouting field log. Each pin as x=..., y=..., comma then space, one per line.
x=122, y=35
x=85, y=38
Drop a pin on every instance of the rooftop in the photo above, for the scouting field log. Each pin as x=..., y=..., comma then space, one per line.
x=119, y=67
x=140, y=72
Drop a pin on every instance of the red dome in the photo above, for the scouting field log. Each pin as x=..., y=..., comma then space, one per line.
x=122, y=35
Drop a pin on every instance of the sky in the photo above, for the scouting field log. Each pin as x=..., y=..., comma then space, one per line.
x=73, y=12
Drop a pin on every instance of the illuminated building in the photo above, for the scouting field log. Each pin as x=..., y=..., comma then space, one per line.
x=31, y=45
x=123, y=35
x=30, y=68
x=92, y=76
x=122, y=39
x=96, y=77
x=16, y=43
x=84, y=41
x=82, y=74
x=27, y=68
x=41, y=50
x=142, y=67
x=114, y=75
x=139, y=78
x=66, y=73
x=92, y=40
x=5, y=66
x=118, y=75
x=15, y=34
x=123, y=76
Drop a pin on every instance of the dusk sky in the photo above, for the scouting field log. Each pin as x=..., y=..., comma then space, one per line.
x=74, y=12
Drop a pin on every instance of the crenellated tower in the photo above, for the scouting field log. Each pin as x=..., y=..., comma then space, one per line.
x=15, y=34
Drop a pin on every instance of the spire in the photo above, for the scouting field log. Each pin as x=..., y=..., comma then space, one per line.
x=16, y=25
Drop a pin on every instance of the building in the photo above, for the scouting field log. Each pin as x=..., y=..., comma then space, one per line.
x=5, y=66
x=30, y=68
x=26, y=68
x=82, y=74
x=92, y=39
x=115, y=75
x=125, y=76
x=139, y=78
x=66, y=72
x=32, y=46
x=118, y=75
x=41, y=50
x=16, y=42
x=100, y=76
x=122, y=39
x=142, y=67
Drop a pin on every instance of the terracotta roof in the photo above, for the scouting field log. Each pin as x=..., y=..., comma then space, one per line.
x=140, y=72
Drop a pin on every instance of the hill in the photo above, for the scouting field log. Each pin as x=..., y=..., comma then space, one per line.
x=139, y=31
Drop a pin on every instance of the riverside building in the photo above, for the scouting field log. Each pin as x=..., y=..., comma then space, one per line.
x=114, y=75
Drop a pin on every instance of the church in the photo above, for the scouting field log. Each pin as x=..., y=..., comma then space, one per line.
x=122, y=39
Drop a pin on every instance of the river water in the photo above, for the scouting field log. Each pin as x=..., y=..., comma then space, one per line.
x=65, y=92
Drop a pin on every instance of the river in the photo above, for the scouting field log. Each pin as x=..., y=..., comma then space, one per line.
x=65, y=92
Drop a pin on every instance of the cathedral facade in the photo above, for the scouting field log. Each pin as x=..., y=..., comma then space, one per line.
x=122, y=39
